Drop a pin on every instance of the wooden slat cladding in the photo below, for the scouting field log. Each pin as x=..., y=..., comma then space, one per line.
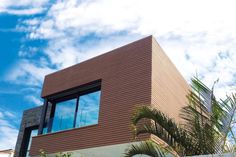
x=138, y=73
x=169, y=89
x=125, y=75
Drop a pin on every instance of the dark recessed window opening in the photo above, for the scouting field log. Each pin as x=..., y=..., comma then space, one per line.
x=76, y=110
x=33, y=133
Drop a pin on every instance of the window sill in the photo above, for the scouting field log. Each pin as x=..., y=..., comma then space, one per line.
x=68, y=130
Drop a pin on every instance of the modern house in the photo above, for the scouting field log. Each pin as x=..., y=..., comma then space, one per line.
x=88, y=107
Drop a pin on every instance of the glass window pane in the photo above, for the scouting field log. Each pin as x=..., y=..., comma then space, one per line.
x=45, y=129
x=64, y=115
x=88, y=110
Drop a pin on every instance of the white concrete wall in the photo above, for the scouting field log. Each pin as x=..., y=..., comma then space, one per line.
x=6, y=155
x=105, y=151
x=119, y=150
x=232, y=154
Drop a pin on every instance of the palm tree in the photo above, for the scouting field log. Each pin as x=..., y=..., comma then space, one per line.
x=208, y=120
x=206, y=128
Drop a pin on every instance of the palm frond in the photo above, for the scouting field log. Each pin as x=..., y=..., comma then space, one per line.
x=227, y=119
x=203, y=92
x=163, y=127
x=206, y=128
x=202, y=117
x=145, y=148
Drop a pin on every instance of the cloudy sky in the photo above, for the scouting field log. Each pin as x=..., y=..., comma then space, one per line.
x=39, y=37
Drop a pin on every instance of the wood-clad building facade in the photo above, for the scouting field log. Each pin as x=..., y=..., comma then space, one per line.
x=136, y=74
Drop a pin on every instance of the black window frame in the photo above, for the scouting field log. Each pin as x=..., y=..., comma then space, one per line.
x=68, y=95
x=26, y=139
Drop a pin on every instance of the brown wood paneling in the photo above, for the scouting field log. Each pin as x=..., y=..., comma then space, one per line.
x=138, y=73
x=126, y=81
x=169, y=89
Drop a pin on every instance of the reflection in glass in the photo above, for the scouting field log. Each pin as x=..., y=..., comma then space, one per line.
x=45, y=130
x=64, y=115
x=88, y=110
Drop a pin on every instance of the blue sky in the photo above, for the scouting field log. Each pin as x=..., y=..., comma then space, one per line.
x=40, y=37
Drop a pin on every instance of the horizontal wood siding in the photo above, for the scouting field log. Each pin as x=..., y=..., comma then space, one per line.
x=126, y=81
x=169, y=89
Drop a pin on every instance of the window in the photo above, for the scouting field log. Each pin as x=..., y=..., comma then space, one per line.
x=88, y=110
x=78, y=111
x=63, y=116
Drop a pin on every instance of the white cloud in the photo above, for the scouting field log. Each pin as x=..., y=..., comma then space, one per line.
x=28, y=73
x=34, y=99
x=22, y=7
x=8, y=131
x=31, y=22
x=21, y=3
x=1, y=115
x=89, y=16
x=23, y=11
x=192, y=33
x=9, y=114
x=8, y=137
x=64, y=52
x=187, y=18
